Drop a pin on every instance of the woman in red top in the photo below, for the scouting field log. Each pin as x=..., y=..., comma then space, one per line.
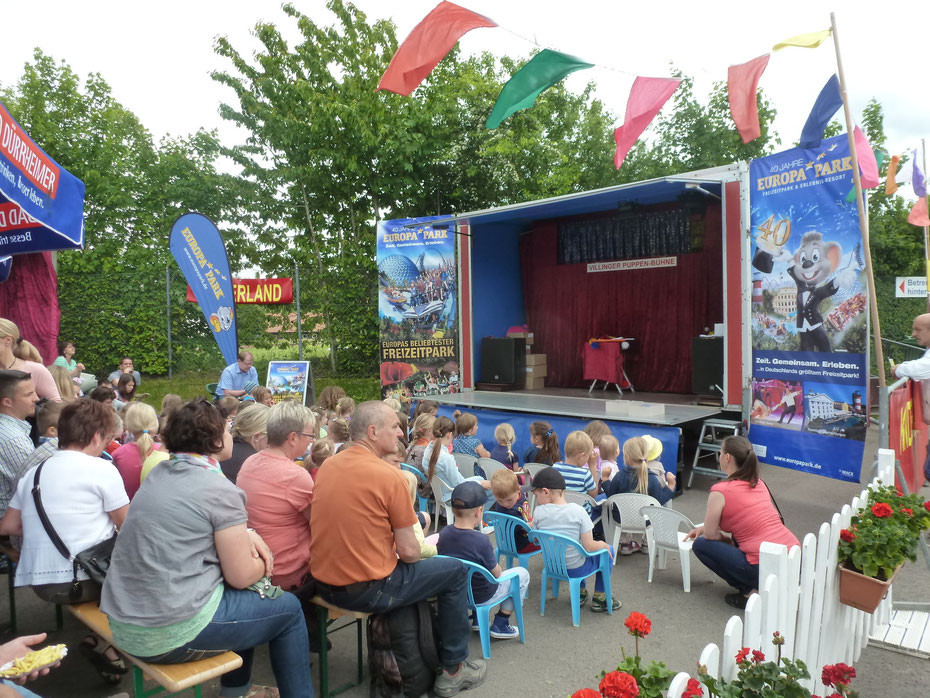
x=741, y=514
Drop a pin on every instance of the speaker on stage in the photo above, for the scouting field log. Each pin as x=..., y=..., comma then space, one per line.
x=706, y=365
x=503, y=360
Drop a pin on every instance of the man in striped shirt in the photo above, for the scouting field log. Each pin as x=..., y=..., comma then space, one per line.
x=17, y=402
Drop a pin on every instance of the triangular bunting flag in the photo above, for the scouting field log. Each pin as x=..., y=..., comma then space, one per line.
x=427, y=44
x=543, y=70
x=828, y=101
x=868, y=166
x=891, y=186
x=809, y=40
x=918, y=181
x=918, y=215
x=646, y=99
x=742, y=81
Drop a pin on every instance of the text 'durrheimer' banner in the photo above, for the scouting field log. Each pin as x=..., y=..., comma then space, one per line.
x=809, y=313
x=417, y=308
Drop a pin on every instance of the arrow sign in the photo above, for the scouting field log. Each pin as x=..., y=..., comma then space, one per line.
x=910, y=287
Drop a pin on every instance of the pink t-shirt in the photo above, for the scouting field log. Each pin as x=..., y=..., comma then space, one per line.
x=748, y=513
x=278, y=492
x=42, y=377
x=128, y=461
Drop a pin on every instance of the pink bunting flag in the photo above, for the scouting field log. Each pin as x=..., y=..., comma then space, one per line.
x=867, y=164
x=918, y=215
x=742, y=81
x=428, y=44
x=646, y=99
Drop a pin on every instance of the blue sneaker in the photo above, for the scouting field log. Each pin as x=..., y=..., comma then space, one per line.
x=501, y=629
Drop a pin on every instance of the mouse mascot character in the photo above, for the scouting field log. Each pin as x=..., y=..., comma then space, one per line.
x=810, y=267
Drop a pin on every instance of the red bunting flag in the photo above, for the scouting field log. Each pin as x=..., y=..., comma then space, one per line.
x=428, y=44
x=742, y=81
x=646, y=99
x=867, y=163
x=918, y=215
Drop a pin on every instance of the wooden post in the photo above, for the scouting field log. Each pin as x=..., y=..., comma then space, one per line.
x=923, y=149
x=863, y=215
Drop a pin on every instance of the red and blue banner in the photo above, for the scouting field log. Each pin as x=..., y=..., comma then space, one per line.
x=199, y=250
x=809, y=323
x=41, y=203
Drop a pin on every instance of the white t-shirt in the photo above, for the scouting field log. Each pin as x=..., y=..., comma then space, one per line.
x=78, y=491
x=569, y=520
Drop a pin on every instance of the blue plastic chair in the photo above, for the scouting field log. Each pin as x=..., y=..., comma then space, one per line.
x=505, y=527
x=483, y=611
x=553, y=547
x=422, y=502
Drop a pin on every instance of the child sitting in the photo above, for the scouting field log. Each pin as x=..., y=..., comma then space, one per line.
x=544, y=446
x=610, y=451
x=555, y=515
x=597, y=430
x=461, y=540
x=653, y=462
x=321, y=450
x=345, y=408
x=578, y=471
x=511, y=501
x=503, y=452
x=466, y=437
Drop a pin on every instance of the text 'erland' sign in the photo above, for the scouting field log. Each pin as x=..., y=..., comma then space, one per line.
x=260, y=291
x=631, y=264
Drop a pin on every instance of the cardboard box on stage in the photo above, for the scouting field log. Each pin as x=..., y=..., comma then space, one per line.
x=535, y=359
x=537, y=371
x=534, y=383
x=528, y=336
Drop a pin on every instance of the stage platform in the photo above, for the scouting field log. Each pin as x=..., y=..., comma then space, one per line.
x=558, y=401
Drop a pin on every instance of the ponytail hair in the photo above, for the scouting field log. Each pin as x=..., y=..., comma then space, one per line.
x=747, y=465
x=464, y=422
x=550, y=442
x=636, y=455
x=441, y=427
x=142, y=421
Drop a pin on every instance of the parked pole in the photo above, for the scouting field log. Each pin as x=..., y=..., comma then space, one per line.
x=923, y=148
x=168, y=306
x=300, y=331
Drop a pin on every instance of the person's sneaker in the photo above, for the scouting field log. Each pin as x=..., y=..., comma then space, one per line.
x=474, y=623
x=582, y=597
x=644, y=547
x=501, y=629
x=629, y=548
x=599, y=603
x=471, y=673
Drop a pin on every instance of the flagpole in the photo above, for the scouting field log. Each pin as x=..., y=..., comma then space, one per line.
x=860, y=205
x=923, y=149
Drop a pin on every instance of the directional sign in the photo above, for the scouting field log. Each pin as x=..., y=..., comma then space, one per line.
x=910, y=287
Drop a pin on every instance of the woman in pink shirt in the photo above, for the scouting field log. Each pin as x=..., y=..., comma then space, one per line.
x=741, y=514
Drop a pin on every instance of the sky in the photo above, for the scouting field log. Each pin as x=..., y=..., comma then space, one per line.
x=157, y=56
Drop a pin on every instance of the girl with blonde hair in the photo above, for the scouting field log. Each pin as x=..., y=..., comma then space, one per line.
x=130, y=459
x=440, y=461
x=466, y=436
x=503, y=451
x=65, y=384
x=12, y=358
x=250, y=435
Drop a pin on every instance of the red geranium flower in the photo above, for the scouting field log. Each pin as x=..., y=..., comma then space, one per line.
x=758, y=657
x=907, y=512
x=847, y=535
x=741, y=655
x=637, y=624
x=618, y=684
x=927, y=505
x=693, y=690
x=586, y=693
x=882, y=510
x=395, y=371
x=899, y=490
x=837, y=675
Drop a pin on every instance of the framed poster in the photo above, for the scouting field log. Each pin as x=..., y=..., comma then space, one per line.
x=287, y=380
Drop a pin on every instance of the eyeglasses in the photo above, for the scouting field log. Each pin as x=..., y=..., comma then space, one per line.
x=312, y=437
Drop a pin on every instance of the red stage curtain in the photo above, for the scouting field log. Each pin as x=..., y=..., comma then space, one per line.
x=29, y=298
x=661, y=308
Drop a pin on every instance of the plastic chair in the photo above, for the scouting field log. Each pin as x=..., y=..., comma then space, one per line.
x=581, y=499
x=422, y=502
x=211, y=390
x=553, y=555
x=436, y=485
x=628, y=504
x=465, y=464
x=532, y=468
x=490, y=466
x=664, y=535
x=483, y=611
x=505, y=526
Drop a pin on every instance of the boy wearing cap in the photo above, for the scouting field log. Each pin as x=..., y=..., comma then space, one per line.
x=461, y=540
x=554, y=515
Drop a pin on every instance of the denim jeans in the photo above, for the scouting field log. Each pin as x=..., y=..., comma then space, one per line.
x=25, y=692
x=413, y=582
x=590, y=565
x=243, y=620
x=728, y=562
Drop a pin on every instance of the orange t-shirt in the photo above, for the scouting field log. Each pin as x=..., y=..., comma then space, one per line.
x=278, y=491
x=358, y=502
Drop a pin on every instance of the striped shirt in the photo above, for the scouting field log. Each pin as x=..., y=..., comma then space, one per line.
x=15, y=449
x=577, y=479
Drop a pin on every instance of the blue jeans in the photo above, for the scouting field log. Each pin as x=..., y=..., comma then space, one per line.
x=589, y=566
x=25, y=692
x=406, y=585
x=728, y=562
x=242, y=621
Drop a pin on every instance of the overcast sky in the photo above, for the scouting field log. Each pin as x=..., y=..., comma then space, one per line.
x=157, y=56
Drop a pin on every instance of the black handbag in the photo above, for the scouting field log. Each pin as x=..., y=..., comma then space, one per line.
x=94, y=561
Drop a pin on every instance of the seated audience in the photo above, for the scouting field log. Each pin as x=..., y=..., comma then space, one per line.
x=466, y=436
x=320, y=451
x=596, y=430
x=544, y=445
x=126, y=388
x=125, y=366
x=169, y=404
x=510, y=500
x=503, y=451
x=17, y=404
x=338, y=432
x=440, y=462
x=262, y=395
x=14, y=356
x=609, y=449
x=249, y=437
x=66, y=358
x=228, y=407
x=345, y=408
x=47, y=416
x=135, y=456
x=422, y=432
x=423, y=519
x=67, y=389
x=205, y=560
x=329, y=398
x=577, y=469
x=238, y=379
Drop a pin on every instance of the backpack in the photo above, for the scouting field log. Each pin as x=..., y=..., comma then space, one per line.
x=403, y=658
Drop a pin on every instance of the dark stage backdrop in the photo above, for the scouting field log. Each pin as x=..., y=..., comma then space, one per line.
x=661, y=308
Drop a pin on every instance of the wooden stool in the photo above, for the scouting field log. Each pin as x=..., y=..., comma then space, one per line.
x=12, y=559
x=325, y=620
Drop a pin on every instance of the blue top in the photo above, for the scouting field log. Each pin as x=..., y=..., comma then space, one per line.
x=466, y=444
x=520, y=510
x=234, y=379
x=499, y=453
x=472, y=545
x=626, y=480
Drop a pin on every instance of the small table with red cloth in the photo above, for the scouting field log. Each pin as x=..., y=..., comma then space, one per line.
x=603, y=361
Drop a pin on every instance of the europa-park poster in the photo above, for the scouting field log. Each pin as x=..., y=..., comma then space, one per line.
x=417, y=308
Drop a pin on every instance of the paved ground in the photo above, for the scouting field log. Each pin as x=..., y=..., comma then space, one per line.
x=558, y=659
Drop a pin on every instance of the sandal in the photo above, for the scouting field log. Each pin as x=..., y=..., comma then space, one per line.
x=111, y=670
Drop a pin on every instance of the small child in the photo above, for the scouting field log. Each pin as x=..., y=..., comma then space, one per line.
x=461, y=540
x=511, y=501
x=597, y=430
x=466, y=436
x=578, y=470
x=345, y=408
x=503, y=452
x=319, y=452
x=544, y=446
x=610, y=451
x=653, y=462
x=338, y=432
x=228, y=407
x=555, y=515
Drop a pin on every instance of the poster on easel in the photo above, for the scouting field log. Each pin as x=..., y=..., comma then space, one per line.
x=809, y=317
x=287, y=380
x=417, y=308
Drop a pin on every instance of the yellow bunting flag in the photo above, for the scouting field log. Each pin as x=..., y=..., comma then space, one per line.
x=809, y=40
x=891, y=186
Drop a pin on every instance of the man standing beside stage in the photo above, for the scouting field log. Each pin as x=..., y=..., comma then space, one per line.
x=239, y=378
x=919, y=370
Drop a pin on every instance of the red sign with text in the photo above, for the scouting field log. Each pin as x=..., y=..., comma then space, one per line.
x=258, y=291
x=20, y=150
x=907, y=432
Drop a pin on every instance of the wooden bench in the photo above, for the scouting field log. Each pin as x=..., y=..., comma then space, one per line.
x=171, y=678
x=325, y=620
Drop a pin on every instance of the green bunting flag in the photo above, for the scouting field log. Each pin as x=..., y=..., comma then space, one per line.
x=544, y=70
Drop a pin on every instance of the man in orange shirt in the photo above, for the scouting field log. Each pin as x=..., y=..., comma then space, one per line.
x=361, y=522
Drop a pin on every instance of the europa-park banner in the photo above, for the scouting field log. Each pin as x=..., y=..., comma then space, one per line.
x=809, y=313
x=417, y=308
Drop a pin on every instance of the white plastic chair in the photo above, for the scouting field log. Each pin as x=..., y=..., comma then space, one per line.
x=490, y=466
x=581, y=499
x=465, y=464
x=532, y=468
x=628, y=505
x=436, y=485
x=664, y=535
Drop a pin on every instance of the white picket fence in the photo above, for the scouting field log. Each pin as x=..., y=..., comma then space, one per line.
x=799, y=597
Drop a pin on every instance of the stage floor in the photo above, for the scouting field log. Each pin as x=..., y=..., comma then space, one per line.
x=575, y=402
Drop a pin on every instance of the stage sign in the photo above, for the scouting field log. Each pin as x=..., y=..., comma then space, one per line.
x=417, y=308
x=630, y=264
x=258, y=291
x=287, y=380
x=809, y=327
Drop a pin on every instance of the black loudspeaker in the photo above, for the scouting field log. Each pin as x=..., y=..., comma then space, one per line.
x=503, y=360
x=706, y=365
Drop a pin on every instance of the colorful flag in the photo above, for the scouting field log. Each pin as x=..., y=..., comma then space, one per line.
x=646, y=99
x=828, y=101
x=809, y=40
x=543, y=70
x=868, y=166
x=742, y=81
x=427, y=44
x=891, y=185
x=918, y=215
x=918, y=181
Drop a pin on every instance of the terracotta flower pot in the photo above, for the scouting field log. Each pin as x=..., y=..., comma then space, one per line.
x=864, y=593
